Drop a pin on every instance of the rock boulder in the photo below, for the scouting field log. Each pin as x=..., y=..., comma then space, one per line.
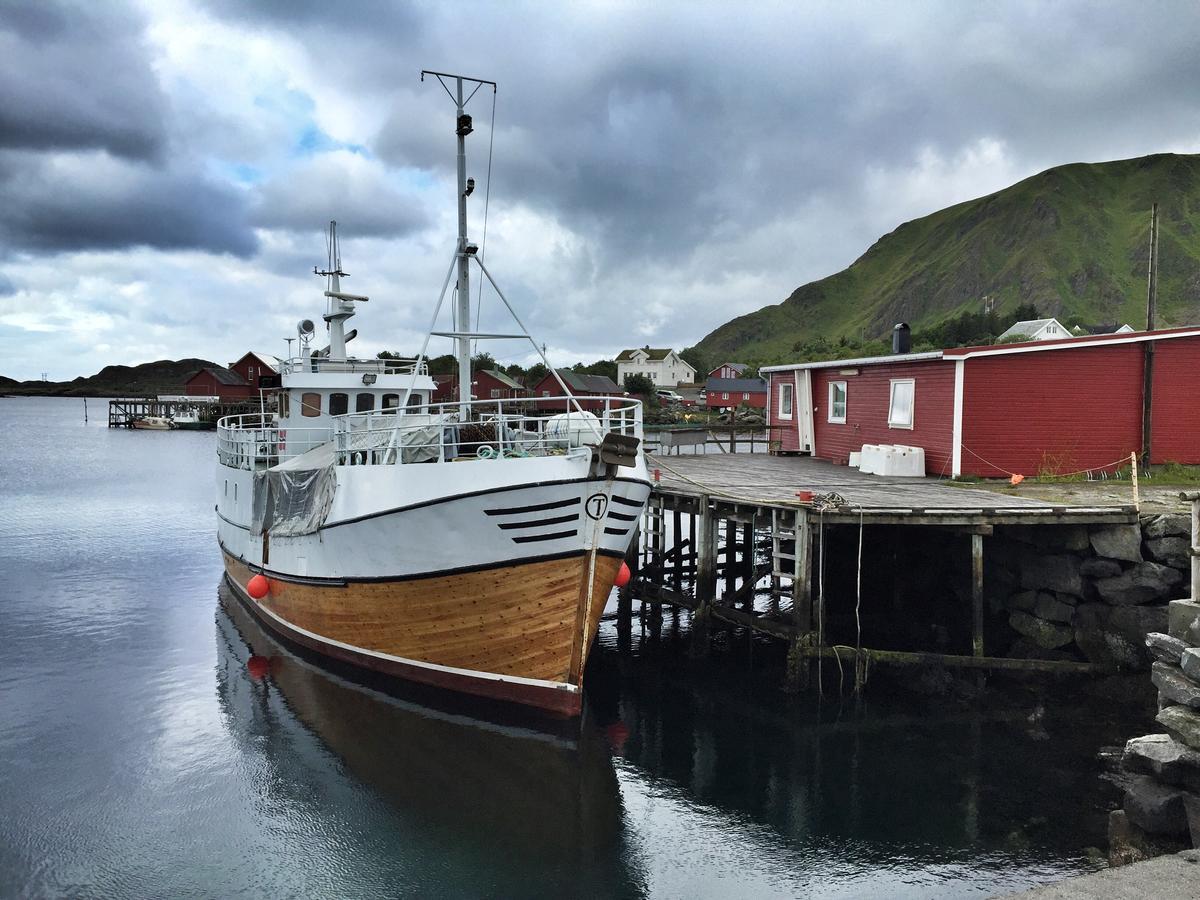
x=1047, y=635
x=1181, y=723
x=1099, y=567
x=1155, y=808
x=1167, y=526
x=1165, y=648
x=1118, y=542
x=1165, y=758
x=1171, y=551
x=1174, y=685
x=1052, y=609
x=1053, y=572
x=1144, y=583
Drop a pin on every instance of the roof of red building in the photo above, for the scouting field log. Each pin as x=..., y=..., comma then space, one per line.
x=956, y=353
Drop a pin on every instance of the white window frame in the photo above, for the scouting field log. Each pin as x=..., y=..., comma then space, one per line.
x=912, y=408
x=835, y=419
x=788, y=390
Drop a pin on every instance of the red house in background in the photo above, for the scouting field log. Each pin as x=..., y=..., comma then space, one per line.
x=486, y=384
x=217, y=381
x=582, y=386
x=722, y=393
x=1054, y=406
x=728, y=370
x=242, y=380
x=253, y=366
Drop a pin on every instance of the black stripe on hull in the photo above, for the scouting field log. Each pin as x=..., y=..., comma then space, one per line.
x=373, y=579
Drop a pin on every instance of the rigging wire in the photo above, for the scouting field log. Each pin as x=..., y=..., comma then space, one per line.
x=487, y=200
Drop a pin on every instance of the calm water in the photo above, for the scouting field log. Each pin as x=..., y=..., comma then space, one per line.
x=140, y=757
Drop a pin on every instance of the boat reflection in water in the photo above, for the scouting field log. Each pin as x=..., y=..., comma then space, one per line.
x=498, y=801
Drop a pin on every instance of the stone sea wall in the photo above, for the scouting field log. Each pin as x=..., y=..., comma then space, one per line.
x=1161, y=810
x=1087, y=592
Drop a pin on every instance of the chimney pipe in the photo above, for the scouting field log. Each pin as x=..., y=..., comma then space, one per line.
x=901, y=338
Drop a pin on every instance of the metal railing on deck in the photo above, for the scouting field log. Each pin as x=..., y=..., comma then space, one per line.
x=378, y=366
x=492, y=429
x=255, y=441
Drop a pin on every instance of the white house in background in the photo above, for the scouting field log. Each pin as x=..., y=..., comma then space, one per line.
x=1104, y=329
x=663, y=367
x=1036, y=330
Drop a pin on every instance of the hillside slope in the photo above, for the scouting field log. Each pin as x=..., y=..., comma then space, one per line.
x=1073, y=240
x=165, y=376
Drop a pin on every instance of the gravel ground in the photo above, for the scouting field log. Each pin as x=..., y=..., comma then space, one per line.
x=1155, y=498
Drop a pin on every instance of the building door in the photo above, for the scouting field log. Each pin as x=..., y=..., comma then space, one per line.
x=804, y=412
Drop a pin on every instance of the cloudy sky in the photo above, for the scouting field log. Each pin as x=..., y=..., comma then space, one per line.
x=167, y=166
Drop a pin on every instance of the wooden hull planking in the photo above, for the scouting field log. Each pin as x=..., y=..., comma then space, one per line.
x=518, y=633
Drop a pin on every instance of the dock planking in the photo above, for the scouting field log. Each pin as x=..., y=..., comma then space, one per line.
x=769, y=481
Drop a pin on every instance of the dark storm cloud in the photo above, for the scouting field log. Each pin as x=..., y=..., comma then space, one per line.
x=727, y=121
x=93, y=201
x=342, y=187
x=76, y=76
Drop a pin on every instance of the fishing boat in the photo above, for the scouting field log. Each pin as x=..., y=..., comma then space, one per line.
x=468, y=545
x=153, y=423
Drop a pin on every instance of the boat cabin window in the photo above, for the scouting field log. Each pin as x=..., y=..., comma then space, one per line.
x=339, y=404
x=285, y=405
x=391, y=401
x=310, y=404
x=364, y=402
x=415, y=401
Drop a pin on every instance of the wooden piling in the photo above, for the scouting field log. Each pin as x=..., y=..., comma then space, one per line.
x=748, y=565
x=706, y=576
x=977, y=594
x=799, y=667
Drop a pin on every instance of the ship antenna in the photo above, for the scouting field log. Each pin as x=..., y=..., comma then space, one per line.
x=464, y=253
x=340, y=306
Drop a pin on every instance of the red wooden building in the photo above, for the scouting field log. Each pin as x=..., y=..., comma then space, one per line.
x=486, y=384
x=1047, y=406
x=217, y=381
x=253, y=367
x=725, y=393
x=241, y=380
x=728, y=370
x=583, y=387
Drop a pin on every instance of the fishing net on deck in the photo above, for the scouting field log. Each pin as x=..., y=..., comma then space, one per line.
x=295, y=497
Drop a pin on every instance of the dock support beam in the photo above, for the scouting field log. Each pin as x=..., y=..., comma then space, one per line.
x=706, y=576
x=977, y=594
x=633, y=559
x=977, y=648
x=799, y=671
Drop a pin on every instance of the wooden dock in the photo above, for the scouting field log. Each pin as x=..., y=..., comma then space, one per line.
x=123, y=412
x=740, y=539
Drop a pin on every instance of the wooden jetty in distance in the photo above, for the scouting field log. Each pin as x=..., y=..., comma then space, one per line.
x=123, y=412
x=718, y=526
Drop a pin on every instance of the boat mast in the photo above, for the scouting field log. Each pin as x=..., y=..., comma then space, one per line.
x=463, y=313
x=465, y=249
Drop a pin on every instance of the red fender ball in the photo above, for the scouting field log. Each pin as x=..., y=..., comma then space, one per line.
x=259, y=667
x=623, y=576
x=258, y=586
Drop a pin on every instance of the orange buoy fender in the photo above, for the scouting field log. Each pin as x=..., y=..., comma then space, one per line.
x=259, y=667
x=258, y=586
x=623, y=575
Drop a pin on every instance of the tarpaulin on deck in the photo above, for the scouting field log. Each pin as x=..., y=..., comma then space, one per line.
x=294, y=497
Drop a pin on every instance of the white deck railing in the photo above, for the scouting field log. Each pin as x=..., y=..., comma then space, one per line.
x=378, y=366
x=492, y=429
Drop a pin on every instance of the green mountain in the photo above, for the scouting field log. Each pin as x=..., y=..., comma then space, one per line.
x=165, y=376
x=1073, y=241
